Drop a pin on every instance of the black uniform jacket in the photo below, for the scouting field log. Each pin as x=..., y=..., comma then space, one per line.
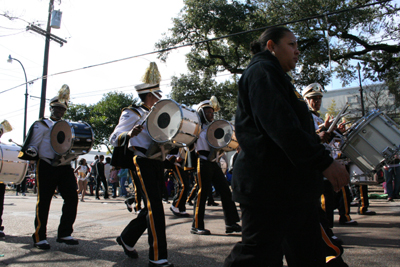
x=281, y=158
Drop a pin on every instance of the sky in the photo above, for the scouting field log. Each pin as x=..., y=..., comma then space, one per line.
x=96, y=32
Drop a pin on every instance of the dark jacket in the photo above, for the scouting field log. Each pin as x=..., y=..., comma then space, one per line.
x=281, y=158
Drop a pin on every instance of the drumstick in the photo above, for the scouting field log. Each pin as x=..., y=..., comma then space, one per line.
x=338, y=117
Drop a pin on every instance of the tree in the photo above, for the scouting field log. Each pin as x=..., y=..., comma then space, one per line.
x=193, y=88
x=369, y=35
x=103, y=117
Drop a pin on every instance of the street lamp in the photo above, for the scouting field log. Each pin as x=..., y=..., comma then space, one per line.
x=10, y=59
x=361, y=90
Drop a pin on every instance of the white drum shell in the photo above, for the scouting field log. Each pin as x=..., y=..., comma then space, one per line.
x=221, y=135
x=357, y=176
x=170, y=122
x=12, y=169
x=368, y=142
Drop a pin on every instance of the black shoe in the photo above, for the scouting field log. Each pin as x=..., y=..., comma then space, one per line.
x=106, y=197
x=165, y=201
x=2, y=234
x=42, y=244
x=233, y=228
x=69, y=240
x=98, y=198
x=128, y=206
x=349, y=223
x=184, y=214
x=175, y=212
x=165, y=264
x=131, y=254
x=336, y=240
x=197, y=231
x=190, y=203
x=212, y=204
x=368, y=212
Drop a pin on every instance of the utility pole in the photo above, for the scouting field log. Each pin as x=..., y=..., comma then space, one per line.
x=45, y=63
x=361, y=90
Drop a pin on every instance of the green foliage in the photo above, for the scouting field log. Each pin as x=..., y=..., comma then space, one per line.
x=329, y=45
x=193, y=88
x=103, y=117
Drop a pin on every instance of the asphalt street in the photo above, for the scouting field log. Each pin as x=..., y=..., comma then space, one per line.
x=374, y=242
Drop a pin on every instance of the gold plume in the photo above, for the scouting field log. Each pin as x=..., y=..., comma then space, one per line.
x=63, y=94
x=6, y=126
x=152, y=75
x=215, y=104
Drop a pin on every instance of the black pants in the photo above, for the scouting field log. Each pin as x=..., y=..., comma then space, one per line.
x=362, y=194
x=210, y=173
x=99, y=180
x=48, y=178
x=150, y=174
x=2, y=192
x=137, y=197
x=343, y=201
x=274, y=228
x=181, y=188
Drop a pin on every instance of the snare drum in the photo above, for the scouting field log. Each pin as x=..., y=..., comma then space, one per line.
x=357, y=176
x=12, y=169
x=169, y=122
x=74, y=138
x=221, y=135
x=372, y=141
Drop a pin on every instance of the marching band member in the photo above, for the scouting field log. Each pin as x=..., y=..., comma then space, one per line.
x=313, y=94
x=209, y=173
x=131, y=134
x=4, y=127
x=37, y=147
x=176, y=163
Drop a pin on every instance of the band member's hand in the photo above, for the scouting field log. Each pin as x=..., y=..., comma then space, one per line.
x=342, y=127
x=135, y=130
x=337, y=174
x=324, y=136
x=328, y=122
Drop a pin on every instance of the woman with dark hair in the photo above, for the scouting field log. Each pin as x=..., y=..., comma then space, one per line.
x=83, y=175
x=278, y=174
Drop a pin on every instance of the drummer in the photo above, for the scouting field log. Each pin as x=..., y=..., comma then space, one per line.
x=37, y=146
x=209, y=173
x=313, y=94
x=150, y=178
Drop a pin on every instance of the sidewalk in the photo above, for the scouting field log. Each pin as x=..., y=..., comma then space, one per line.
x=374, y=242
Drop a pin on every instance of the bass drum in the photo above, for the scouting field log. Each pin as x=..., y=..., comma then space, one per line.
x=74, y=138
x=12, y=169
x=358, y=177
x=221, y=135
x=169, y=122
x=372, y=141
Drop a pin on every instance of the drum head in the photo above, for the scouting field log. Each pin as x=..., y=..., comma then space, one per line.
x=164, y=120
x=61, y=137
x=219, y=134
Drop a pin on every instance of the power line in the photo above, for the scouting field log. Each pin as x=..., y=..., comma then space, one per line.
x=200, y=42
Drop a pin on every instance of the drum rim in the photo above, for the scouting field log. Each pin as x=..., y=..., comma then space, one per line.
x=230, y=124
x=180, y=124
x=73, y=136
